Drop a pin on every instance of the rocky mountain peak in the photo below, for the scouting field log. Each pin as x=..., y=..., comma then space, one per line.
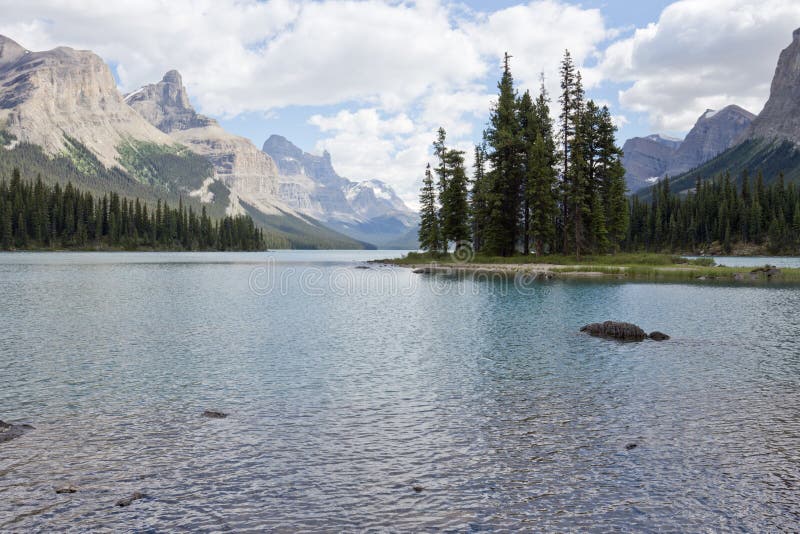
x=173, y=77
x=48, y=95
x=282, y=149
x=166, y=105
x=10, y=51
x=780, y=118
x=293, y=161
x=713, y=133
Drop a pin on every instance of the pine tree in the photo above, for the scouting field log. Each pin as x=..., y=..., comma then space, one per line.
x=502, y=136
x=454, y=201
x=575, y=204
x=478, y=201
x=429, y=234
x=541, y=176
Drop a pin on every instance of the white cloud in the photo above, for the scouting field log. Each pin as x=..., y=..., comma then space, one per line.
x=701, y=54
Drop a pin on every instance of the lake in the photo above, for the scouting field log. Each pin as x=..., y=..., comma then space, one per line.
x=348, y=388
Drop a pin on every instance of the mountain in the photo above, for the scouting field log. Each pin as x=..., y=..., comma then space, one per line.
x=647, y=159
x=713, y=133
x=61, y=109
x=368, y=211
x=771, y=143
x=780, y=118
x=62, y=116
x=249, y=175
x=46, y=97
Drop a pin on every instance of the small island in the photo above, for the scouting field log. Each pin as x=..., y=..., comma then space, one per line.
x=623, y=266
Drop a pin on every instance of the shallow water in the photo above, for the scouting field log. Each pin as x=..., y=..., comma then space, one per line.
x=756, y=261
x=347, y=387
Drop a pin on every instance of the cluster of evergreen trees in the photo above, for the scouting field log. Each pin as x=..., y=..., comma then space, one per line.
x=717, y=211
x=532, y=186
x=35, y=215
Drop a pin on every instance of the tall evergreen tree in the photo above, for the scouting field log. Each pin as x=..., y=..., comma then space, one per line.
x=501, y=232
x=454, y=201
x=478, y=198
x=429, y=233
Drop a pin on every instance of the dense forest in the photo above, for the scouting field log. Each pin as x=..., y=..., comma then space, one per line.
x=718, y=211
x=533, y=187
x=559, y=188
x=34, y=215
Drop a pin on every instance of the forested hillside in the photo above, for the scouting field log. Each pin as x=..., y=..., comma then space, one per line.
x=34, y=215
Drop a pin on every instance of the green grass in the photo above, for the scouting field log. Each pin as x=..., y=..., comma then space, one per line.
x=624, y=259
x=645, y=267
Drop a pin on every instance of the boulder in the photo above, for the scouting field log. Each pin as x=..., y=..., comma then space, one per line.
x=214, y=414
x=9, y=431
x=768, y=270
x=658, y=336
x=127, y=501
x=66, y=489
x=615, y=330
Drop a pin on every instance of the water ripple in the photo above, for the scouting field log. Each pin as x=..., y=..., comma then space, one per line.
x=340, y=405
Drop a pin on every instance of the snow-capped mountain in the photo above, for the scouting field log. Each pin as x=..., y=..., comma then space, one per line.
x=369, y=211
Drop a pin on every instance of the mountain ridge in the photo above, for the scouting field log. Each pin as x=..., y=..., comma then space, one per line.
x=648, y=159
x=369, y=210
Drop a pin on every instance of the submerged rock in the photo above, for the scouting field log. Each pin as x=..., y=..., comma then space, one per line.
x=362, y=267
x=214, y=414
x=67, y=489
x=127, y=501
x=630, y=446
x=422, y=270
x=658, y=336
x=10, y=431
x=615, y=330
x=418, y=489
x=768, y=270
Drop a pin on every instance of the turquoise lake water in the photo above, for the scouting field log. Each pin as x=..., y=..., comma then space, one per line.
x=348, y=387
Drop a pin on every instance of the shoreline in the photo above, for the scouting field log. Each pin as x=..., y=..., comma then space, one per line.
x=647, y=273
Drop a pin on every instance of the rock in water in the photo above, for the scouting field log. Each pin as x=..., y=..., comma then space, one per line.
x=66, y=489
x=630, y=446
x=658, y=336
x=9, y=431
x=127, y=501
x=768, y=270
x=214, y=414
x=615, y=330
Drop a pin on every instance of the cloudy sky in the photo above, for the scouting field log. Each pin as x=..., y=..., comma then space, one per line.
x=371, y=80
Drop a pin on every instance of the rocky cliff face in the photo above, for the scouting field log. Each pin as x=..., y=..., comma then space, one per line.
x=369, y=211
x=780, y=118
x=646, y=159
x=166, y=105
x=47, y=95
x=713, y=133
x=251, y=175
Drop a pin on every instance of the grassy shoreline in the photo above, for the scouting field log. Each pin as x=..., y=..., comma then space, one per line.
x=633, y=267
